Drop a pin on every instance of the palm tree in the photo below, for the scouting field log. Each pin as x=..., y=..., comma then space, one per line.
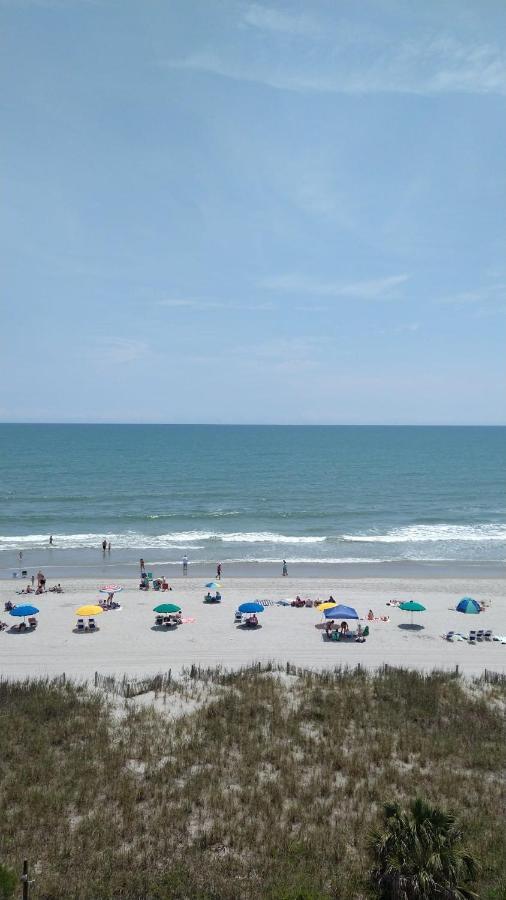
x=419, y=856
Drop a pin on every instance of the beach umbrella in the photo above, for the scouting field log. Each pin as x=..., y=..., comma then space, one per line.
x=111, y=589
x=341, y=612
x=468, y=605
x=250, y=608
x=412, y=606
x=213, y=585
x=167, y=608
x=23, y=611
x=89, y=610
x=329, y=604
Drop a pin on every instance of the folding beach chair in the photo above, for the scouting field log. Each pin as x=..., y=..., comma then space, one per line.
x=92, y=624
x=488, y=634
x=480, y=635
x=472, y=637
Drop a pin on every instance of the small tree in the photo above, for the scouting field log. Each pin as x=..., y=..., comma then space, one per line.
x=8, y=883
x=419, y=854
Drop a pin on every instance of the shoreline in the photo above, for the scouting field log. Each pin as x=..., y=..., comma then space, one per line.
x=111, y=567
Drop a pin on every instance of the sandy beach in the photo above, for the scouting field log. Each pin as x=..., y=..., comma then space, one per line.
x=127, y=643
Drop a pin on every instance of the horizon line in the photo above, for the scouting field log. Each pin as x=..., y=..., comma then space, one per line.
x=270, y=424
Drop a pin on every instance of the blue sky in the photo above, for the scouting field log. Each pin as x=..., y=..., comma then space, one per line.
x=229, y=211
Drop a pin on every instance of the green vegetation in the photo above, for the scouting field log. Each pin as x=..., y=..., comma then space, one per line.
x=248, y=785
x=9, y=881
x=421, y=855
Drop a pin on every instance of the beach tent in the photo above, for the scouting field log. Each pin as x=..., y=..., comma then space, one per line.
x=341, y=612
x=468, y=605
x=213, y=585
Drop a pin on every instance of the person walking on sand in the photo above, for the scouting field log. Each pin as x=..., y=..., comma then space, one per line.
x=185, y=565
x=218, y=571
x=285, y=569
x=143, y=565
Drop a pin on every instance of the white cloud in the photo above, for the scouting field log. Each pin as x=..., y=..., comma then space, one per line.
x=213, y=304
x=371, y=65
x=486, y=295
x=267, y=18
x=402, y=328
x=374, y=289
x=118, y=350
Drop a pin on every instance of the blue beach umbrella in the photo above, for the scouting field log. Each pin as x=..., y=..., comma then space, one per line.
x=341, y=612
x=213, y=585
x=251, y=608
x=23, y=611
x=468, y=605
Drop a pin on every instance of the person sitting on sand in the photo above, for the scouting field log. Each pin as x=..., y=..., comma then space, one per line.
x=144, y=585
x=344, y=628
x=9, y=606
x=360, y=639
x=3, y=626
x=328, y=628
x=165, y=584
x=370, y=615
x=331, y=599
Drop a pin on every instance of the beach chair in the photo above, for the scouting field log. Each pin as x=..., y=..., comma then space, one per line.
x=335, y=635
x=449, y=636
x=480, y=634
x=92, y=625
x=32, y=621
x=472, y=637
x=365, y=632
x=237, y=616
x=159, y=620
x=488, y=634
x=80, y=624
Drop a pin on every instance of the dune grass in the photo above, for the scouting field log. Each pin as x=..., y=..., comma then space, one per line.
x=247, y=785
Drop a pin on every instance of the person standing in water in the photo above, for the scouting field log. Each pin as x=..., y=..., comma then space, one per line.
x=143, y=565
x=51, y=539
x=185, y=565
x=285, y=568
x=104, y=545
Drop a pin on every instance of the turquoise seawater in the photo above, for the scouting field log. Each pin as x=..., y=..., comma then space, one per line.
x=246, y=494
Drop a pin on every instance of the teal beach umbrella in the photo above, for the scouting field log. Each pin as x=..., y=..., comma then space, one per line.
x=412, y=606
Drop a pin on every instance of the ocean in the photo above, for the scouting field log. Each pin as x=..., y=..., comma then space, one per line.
x=351, y=500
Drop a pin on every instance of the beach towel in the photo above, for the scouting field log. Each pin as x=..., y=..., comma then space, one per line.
x=188, y=620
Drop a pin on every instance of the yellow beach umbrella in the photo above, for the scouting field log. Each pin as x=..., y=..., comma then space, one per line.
x=90, y=610
x=327, y=605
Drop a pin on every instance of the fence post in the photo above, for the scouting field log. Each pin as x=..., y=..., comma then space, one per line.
x=127, y=692
x=457, y=670
x=24, y=879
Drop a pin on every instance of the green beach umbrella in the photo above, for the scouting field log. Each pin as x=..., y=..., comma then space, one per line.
x=167, y=608
x=412, y=606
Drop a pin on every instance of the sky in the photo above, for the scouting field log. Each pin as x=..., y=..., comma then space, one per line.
x=249, y=212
